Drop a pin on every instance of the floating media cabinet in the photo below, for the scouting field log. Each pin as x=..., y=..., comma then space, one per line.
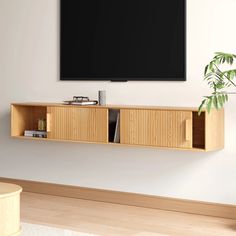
x=162, y=127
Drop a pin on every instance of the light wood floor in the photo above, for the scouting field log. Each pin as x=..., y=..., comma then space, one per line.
x=105, y=219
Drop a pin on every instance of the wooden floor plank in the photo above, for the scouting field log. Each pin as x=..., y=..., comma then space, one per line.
x=106, y=219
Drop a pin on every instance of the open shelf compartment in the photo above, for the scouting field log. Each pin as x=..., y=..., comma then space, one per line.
x=199, y=130
x=26, y=118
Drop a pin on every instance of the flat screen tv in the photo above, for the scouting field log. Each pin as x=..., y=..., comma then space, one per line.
x=122, y=40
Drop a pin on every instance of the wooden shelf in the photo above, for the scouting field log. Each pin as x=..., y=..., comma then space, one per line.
x=151, y=127
x=109, y=106
x=109, y=143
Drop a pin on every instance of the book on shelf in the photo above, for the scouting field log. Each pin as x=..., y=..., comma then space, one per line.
x=117, y=129
x=35, y=133
x=81, y=103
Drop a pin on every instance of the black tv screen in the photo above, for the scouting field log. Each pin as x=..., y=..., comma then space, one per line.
x=123, y=40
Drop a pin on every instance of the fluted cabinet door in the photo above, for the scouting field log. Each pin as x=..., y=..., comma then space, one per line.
x=161, y=128
x=78, y=124
x=91, y=124
x=60, y=123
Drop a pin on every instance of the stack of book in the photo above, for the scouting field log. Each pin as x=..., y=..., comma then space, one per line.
x=35, y=133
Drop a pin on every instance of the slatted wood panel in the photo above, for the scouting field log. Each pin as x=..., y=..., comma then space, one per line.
x=25, y=118
x=91, y=124
x=214, y=126
x=61, y=123
x=156, y=128
x=79, y=124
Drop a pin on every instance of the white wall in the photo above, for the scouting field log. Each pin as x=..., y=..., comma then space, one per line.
x=29, y=72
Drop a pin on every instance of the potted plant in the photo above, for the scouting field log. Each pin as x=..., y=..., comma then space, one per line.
x=219, y=81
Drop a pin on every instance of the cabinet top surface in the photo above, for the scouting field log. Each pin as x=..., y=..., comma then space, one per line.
x=109, y=106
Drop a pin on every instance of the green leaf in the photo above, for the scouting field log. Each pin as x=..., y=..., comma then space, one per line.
x=201, y=107
x=211, y=65
x=223, y=98
x=226, y=97
x=220, y=101
x=232, y=74
x=219, y=53
x=215, y=102
x=209, y=105
x=206, y=69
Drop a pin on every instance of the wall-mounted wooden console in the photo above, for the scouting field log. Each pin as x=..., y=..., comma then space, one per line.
x=162, y=127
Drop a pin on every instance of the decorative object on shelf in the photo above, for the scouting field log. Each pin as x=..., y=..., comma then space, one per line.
x=102, y=97
x=81, y=100
x=42, y=124
x=219, y=81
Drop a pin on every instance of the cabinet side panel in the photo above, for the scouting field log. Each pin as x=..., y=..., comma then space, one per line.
x=214, y=127
x=15, y=129
x=21, y=120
